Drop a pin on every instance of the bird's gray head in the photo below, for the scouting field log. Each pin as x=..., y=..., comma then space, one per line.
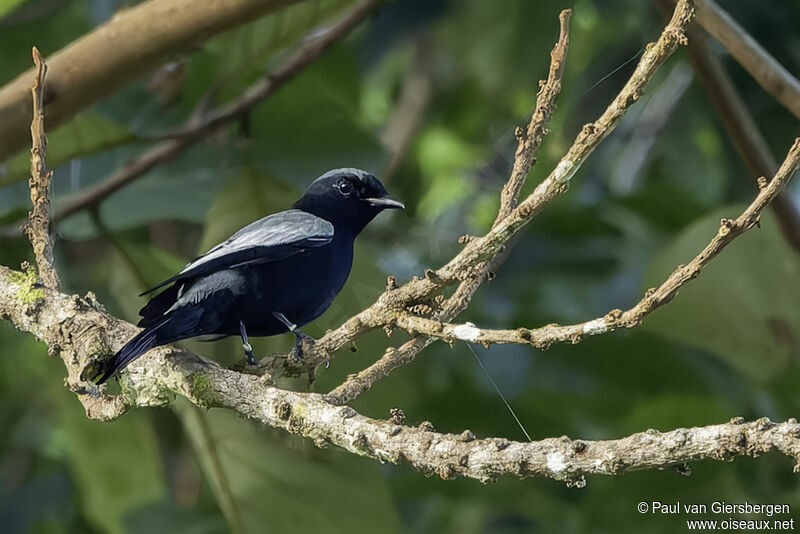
x=347, y=197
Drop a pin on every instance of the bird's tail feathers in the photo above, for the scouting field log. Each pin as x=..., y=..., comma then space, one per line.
x=155, y=334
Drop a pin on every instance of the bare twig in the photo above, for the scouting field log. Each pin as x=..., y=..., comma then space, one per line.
x=543, y=337
x=531, y=139
x=764, y=68
x=194, y=131
x=529, y=142
x=392, y=304
x=133, y=42
x=38, y=228
x=742, y=128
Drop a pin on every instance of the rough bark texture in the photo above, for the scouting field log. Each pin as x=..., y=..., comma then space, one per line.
x=38, y=229
x=470, y=264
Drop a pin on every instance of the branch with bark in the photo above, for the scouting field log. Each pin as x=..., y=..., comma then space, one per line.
x=38, y=229
x=198, y=128
x=82, y=333
x=742, y=128
x=542, y=338
x=134, y=42
x=767, y=71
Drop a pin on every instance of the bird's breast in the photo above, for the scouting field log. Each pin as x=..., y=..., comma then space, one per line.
x=301, y=287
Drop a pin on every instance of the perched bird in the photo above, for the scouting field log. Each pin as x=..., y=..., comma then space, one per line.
x=272, y=276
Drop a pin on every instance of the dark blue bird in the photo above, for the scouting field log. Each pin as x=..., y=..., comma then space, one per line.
x=272, y=276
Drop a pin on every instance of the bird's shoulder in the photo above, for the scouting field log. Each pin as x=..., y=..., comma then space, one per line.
x=271, y=238
x=282, y=227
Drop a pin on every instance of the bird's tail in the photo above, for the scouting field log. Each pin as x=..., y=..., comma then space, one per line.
x=167, y=329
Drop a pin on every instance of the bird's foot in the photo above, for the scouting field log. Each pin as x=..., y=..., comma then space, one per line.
x=300, y=338
x=248, y=352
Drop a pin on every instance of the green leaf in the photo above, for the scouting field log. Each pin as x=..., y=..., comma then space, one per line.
x=165, y=517
x=235, y=58
x=116, y=465
x=6, y=6
x=243, y=199
x=309, y=127
x=270, y=482
x=87, y=133
x=743, y=307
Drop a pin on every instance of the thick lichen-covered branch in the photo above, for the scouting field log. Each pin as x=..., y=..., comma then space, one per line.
x=81, y=331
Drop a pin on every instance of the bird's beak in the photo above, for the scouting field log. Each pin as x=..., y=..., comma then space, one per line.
x=386, y=203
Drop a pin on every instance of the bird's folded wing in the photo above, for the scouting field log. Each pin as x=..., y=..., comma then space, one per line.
x=273, y=238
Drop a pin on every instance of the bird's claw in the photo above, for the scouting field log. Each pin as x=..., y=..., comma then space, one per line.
x=300, y=338
x=248, y=352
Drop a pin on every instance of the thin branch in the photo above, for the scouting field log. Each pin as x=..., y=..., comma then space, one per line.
x=393, y=303
x=531, y=139
x=765, y=69
x=416, y=93
x=742, y=128
x=195, y=131
x=545, y=336
x=150, y=158
x=529, y=142
x=133, y=42
x=83, y=332
x=38, y=227
x=317, y=44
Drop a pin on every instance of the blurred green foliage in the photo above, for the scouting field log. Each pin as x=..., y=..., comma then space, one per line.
x=727, y=346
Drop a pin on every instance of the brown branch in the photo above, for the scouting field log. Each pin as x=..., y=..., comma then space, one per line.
x=81, y=331
x=394, y=303
x=742, y=129
x=531, y=139
x=135, y=41
x=197, y=130
x=528, y=144
x=150, y=158
x=765, y=69
x=416, y=93
x=543, y=337
x=38, y=227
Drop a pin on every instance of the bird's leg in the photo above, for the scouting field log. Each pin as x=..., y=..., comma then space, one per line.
x=248, y=348
x=297, y=350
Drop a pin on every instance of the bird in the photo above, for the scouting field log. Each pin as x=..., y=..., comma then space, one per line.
x=272, y=276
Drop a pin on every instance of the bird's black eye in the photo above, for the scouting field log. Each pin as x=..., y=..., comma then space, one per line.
x=345, y=188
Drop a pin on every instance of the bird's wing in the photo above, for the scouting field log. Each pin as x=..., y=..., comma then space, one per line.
x=272, y=238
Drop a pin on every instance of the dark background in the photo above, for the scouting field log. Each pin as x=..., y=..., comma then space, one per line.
x=647, y=200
